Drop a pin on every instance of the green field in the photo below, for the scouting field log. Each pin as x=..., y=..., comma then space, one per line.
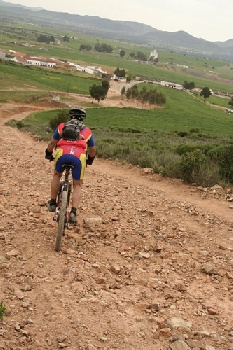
x=14, y=75
x=181, y=113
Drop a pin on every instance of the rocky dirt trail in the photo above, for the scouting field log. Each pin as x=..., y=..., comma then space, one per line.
x=150, y=270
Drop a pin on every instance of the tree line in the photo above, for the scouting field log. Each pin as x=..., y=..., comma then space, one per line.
x=151, y=96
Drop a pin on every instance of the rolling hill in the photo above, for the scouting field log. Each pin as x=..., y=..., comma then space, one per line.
x=127, y=31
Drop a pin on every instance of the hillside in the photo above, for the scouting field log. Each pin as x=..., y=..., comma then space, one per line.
x=133, y=32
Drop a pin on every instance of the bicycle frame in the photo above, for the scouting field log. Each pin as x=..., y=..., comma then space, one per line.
x=61, y=213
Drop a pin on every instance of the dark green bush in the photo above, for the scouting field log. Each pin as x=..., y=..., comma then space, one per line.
x=19, y=124
x=190, y=164
x=128, y=130
x=208, y=173
x=185, y=148
x=219, y=152
x=61, y=117
x=141, y=158
x=223, y=155
x=182, y=133
x=170, y=165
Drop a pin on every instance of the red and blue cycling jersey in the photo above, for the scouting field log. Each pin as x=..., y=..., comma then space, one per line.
x=72, y=152
x=86, y=133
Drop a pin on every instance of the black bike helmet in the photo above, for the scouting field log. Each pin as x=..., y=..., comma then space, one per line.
x=77, y=113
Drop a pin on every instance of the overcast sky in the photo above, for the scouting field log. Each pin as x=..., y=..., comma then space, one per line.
x=211, y=20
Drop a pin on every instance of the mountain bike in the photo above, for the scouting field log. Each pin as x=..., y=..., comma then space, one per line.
x=62, y=212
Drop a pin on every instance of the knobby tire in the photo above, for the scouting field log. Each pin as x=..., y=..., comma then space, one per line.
x=62, y=220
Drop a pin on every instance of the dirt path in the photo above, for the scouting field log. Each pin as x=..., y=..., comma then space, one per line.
x=153, y=270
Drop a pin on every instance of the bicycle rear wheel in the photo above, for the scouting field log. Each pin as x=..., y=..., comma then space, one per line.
x=62, y=220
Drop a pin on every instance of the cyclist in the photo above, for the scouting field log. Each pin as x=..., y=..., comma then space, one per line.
x=76, y=152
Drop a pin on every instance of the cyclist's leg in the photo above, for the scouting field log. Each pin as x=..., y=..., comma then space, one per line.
x=76, y=193
x=77, y=174
x=55, y=184
x=59, y=161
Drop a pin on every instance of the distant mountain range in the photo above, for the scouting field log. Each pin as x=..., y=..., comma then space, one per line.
x=132, y=32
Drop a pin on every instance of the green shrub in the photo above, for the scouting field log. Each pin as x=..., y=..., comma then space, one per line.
x=220, y=152
x=169, y=164
x=141, y=158
x=182, y=133
x=106, y=150
x=62, y=116
x=208, y=174
x=223, y=155
x=185, y=148
x=19, y=124
x=190, y=164
x=122, y=152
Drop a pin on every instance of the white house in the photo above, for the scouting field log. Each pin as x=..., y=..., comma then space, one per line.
x=154, y=56
x=166, y=83
x=90, y=70
x=41, y=61
x=171, y=85
x=79, y=68
x=178, y=87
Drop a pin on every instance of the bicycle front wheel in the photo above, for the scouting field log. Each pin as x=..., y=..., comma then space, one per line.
x=61, y=221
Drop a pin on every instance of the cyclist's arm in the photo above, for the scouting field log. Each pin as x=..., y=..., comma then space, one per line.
x=51, y=145
x=53, y=142
x=92, y=151
x=91, y=147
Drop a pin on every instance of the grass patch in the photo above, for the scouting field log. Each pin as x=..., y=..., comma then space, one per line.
x=23, y=77
x=22, y=96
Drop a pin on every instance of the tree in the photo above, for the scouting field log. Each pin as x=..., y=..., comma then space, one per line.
x=132, y=92
x=141, y=56
x=103, y=48
x=122, y=53
x=106, y=85
x=98, y=92
x=231, y=102
x=143, y=95
x=84, y=47
x=120, y=73
x=205, y=92
x=123, y=91
x=188, y=86
x=160, y=99
x=66, y=38
x=150, y=96
x=46, y=39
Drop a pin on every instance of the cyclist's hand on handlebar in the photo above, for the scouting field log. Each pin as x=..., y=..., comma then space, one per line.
x=49, y=155
x=90, y=160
